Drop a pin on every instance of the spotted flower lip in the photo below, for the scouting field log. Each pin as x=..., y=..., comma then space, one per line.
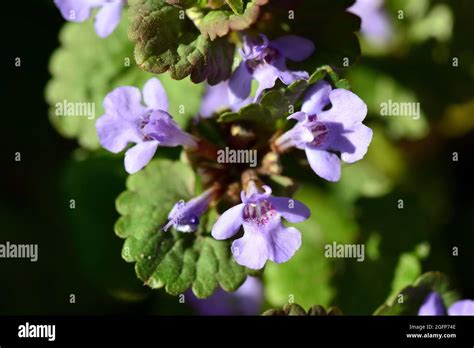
x=265, y=61
x=185, y=216
x=326, y=135
x=265, y=237
x=106, y=19
x=434, y=305
x=127, y=120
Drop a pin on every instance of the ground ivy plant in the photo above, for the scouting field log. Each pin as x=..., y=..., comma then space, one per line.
x=225, y=85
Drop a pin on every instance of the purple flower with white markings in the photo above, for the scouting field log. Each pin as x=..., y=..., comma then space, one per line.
x=434, y=305
x=184, y=216
x=127, y=120
x=265, y=237
x=106, y=19
x=325, y=134
x=265, y=61
x=375, y=24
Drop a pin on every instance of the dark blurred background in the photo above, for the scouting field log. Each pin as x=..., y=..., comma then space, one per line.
x=79, y=254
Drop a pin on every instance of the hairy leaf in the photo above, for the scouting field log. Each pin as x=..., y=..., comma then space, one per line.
x=173, y=260
x=166, y=40
x=84, y=76
x=218, y=23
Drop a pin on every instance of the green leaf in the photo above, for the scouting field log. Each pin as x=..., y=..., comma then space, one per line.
x=87, y=75
x=293, y=309
x=280, y=102
x=173, y=260
x=307, y=276
x=409, y=300
x=408, y=268
x=236, y=5
x=219, y=22
x=165, y=41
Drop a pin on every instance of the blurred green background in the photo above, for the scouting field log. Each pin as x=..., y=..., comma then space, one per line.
x=409, y=160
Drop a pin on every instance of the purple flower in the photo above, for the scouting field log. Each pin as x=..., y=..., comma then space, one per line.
x=265, y=236
x=217, y=98
x=433, y=305
x=375, y=25
x=185, y=216
x=106, y=20
x=126, y=120
x=326, y=133
x=265, y=61
x=246, y=300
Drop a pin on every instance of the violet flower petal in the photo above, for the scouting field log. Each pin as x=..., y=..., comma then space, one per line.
x=325, y=164
x=316, y=98
x=251, y=250
x=285, y=242
x=228, y=223
x=77, y=10
x=139, y=155
x=124, y=102
x=115, y=133
x=462, y=307
x=215, y=99
x=347, y=108
x=266, y=75
x=246, y=300
x=291, y=209
x=433, y=305
x=294, y=47
x=360, y=137
x=154, y=95
x=108, y=17
x=163, y=128
x=239, y=84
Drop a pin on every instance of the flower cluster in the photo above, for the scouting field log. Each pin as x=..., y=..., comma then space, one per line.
x=328, y=128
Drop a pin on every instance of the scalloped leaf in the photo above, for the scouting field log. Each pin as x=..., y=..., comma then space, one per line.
x=86, y=76
x=220, y=22
x=277, y=103
x=409, y=300
x=293, y=309
x=173, y=260
x=166, y=40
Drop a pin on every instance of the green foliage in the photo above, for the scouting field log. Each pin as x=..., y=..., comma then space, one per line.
x=220, y=22
x=293, y=309
x=173, y=260
x=82, y=75
x=409, y=300
x=166, y=41
x=279, y=102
